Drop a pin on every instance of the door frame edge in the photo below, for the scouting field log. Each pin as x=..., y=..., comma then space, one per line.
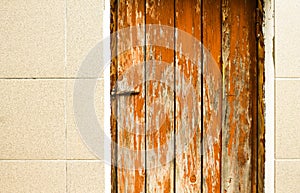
x=269, y=65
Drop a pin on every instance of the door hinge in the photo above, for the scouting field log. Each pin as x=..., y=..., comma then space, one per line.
x=258, y=22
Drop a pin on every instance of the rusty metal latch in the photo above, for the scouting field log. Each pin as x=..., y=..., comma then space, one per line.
x=123, y=93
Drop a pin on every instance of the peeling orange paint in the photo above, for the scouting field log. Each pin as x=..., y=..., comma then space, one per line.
x=239, y=125
x=188, y=164
x=227, y=30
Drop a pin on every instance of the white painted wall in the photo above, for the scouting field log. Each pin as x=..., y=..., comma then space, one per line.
x=287, y=96
x=43, y=43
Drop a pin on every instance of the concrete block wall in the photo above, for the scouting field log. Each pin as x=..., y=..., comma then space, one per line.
x=43, y=43
x=287, y=96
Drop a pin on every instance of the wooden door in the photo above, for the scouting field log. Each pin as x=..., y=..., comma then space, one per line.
x=161, y=97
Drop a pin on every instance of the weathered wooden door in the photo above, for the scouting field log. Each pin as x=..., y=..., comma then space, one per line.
x=184, y=114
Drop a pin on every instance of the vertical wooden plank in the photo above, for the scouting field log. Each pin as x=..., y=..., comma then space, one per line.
x=261, y=96
x=131, y=108
x=212, y=27
x=159, y=98
x=239, y=71
x=188, y=104
x=113, y=79
x=212, y=96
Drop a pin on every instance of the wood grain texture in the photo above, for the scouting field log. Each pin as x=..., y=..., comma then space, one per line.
x=131, y=108
x=233, y=158
x=212, y=96
x=188, y=103
x=261, y=97
x=113, y=79
x=239, y=72
x=159, y=99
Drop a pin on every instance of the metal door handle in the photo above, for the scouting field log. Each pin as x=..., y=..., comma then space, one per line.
x=123, y=93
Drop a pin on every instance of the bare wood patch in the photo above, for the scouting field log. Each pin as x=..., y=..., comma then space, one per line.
x=239, y=71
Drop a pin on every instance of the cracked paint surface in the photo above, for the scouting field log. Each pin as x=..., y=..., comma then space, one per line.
x=220, y=155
